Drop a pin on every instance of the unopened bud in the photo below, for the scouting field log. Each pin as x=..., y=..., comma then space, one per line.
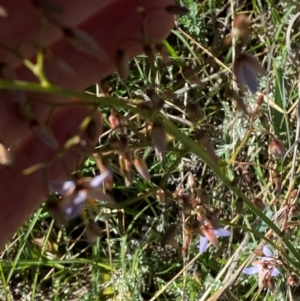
x=277, y=148
x=191, y=181
x=293, y=194
x=142, y=168
x=258, y=203
x=260, y=100
x=277, y=183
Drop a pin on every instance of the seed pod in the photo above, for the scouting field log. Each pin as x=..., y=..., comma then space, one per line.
x=277, y=148
x=142, y=168
x=84, y=42
x=258, y=203
x=121, y=62
x=277, y=183
x=294, y=210
x=177, y=10
x=293, y=194
x=245, y=68
x=239, y=205
x=159, y=138
x=260, y=100
x=293, y=280
x=191, y=181
x=43, y=133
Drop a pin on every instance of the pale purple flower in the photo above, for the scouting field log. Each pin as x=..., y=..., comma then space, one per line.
x=76, y=193
x=264, y=267
x=210, y=234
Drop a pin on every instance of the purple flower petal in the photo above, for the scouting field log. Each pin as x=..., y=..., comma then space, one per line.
x=222, y=232
x=203, y=244
x=266, y=250
x=62, y=187
x=275, y=272
x=251, y=271
x=95, y=182
x=73, y=203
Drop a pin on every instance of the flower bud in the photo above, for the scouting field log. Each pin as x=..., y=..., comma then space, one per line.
x=293, y=194
x=191, y=181
x=142, y=168
x=277, y=148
